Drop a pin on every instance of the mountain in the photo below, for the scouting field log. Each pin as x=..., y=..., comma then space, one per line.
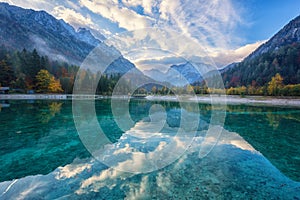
x=289, y=34
x=85, y=35
x=281, y=54
x=227, y=67
x=188, y=71
x=177, y=75
x=25, y=28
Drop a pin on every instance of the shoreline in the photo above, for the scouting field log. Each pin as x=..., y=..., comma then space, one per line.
x=47, y=96
x=211, y=99
x=234, y=100
x=31, y=96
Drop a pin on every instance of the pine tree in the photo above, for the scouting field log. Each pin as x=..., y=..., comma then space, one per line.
x=7, y=74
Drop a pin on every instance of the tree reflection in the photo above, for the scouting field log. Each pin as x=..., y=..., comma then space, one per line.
x=47, y=114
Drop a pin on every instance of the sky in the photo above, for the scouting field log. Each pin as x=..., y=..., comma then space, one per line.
x=227, y=29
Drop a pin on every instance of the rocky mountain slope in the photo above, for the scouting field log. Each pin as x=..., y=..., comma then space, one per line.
x=25, y=28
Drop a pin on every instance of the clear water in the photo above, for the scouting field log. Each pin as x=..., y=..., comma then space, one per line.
x=42, y=156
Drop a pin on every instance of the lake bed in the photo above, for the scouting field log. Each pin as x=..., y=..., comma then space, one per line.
x=255, y=156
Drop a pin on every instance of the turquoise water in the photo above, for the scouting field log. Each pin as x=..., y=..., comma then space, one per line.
x=42, y=157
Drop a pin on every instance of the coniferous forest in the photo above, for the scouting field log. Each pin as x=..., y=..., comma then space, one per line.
x=25, y=71
x=258, y=71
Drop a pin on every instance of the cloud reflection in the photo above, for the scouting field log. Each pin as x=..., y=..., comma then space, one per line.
x=231, y=169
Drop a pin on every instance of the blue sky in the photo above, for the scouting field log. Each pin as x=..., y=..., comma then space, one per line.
x=228, y=29
x=267, y=17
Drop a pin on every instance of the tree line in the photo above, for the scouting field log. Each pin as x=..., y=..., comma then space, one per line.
x=25, y=71
x=275, y=87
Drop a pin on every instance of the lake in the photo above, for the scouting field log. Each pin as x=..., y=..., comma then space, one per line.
x=256, y=154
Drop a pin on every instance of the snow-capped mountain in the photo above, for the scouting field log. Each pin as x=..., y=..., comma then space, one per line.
x=178, y=75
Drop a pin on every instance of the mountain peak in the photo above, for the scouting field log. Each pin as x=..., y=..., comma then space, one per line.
x=85, y=35
x=289, y=34
x=278, y=55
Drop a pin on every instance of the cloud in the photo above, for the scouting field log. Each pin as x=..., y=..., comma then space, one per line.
x=211, y=22
x=42, y=47
x=72, y=17
x=72, y=5
x=228, y=56
x=32, y=4
x=145, y=4
x=124, y=17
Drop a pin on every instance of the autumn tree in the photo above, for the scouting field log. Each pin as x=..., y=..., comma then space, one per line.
x=47, y=83
x=275, y=85
x=189, y=89
x=54, y=86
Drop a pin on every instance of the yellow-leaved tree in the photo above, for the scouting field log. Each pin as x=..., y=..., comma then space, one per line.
x=46, y=83
x=275, y=85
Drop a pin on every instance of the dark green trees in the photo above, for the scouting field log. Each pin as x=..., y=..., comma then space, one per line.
x=27, y=70
x=7, y=75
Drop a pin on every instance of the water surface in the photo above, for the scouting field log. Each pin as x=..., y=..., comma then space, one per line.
x=41, y=154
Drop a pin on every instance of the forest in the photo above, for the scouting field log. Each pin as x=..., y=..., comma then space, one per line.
x=258, y=71
x=274, y=73
x=27, y=71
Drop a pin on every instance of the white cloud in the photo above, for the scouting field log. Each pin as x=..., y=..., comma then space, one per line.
x=123, y=16
x=32, y=4
x=225, y=57
x=72, y=17
x=211, y=22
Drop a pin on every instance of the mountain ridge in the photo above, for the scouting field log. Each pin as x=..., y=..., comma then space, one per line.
x=287, y=35
x=280, y=54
